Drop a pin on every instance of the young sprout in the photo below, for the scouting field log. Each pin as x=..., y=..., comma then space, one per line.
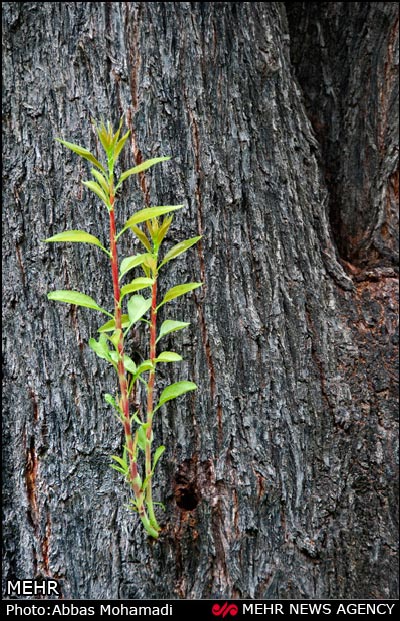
x=138, y=461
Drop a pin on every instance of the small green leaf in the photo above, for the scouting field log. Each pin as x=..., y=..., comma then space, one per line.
x=163, y=230
x=159, y=451
x=105, y=135
x=102, y=181
x=130, y=262
x=118, y=469
x=142, y=438
x=169, y=325
x=141, y=168
x=146, y=270
x=109, y=326
x=179, y=249
x=179, y=290
x=111, y=401
x=151, y=263
x=146, y=365
x=114, y=338
x=146, y=482
x=173, y=391
x=136, y=418
x=130, y=365
x=82, y=152
x=141, y=236
x=100, y=348
x=77, y=298
x=137, y=307
x=136, y=285
x=117, y=133
x=168, y=356
x=121, y=462
x=120, y=145
x=152, y=227
x=76, y=236
x=147, y=214
x=114, y=357
x=92, y=185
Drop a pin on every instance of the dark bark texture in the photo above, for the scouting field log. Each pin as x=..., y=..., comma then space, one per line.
x=280, y=473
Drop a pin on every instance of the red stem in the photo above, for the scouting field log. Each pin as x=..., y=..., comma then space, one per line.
x=153, y=336
x=134, y=476
x=150, y=405
x=121, y=366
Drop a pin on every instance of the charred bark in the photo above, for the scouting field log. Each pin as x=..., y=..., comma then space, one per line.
x=279, y=475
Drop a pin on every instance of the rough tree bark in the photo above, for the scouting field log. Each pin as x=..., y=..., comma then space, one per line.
x=279, y=475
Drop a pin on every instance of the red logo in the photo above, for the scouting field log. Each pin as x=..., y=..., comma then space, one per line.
x=225, y=609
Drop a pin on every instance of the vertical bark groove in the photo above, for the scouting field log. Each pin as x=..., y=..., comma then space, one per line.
x=346, y=60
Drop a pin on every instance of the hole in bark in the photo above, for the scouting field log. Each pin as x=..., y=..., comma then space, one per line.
x=186, y=498
x=186, y=493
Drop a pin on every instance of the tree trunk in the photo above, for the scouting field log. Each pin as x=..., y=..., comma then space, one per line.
x=279, y=474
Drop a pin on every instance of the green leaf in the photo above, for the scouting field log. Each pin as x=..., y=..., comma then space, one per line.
x=102, y=181
x=92, y=185
x=114, y=338
x=146, y=482
x=163, y=230
x=130, y=365
x=168, y=356
x=114, y=357
x=179, y=249
x=146, y=365
x=169, y=325
x=77, y=298
x=152, y=228
x=142, y=438
x=118, y=469
x=82, y=152
x=141, y=236
x=130, y=262
x=121, y=463
x=100, y=347
x=147, y=214
x=117, y=133
x=136, y=418
x=175, y=390
x=150, y=262
x=179, y=290
x=146, y=270
x=136, y=285
x=141, y=168
x=137, y=307
x=109, y=326
x=120, y=145
x=76, y=236
x=159, y=451
x=111, y=401
x=105, y=135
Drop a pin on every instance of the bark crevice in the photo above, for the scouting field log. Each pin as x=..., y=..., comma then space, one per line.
x=346, y=61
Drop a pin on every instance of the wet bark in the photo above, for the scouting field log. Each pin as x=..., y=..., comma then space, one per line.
x=279, y=478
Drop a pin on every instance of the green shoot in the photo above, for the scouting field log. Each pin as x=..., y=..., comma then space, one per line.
x=138, y=462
